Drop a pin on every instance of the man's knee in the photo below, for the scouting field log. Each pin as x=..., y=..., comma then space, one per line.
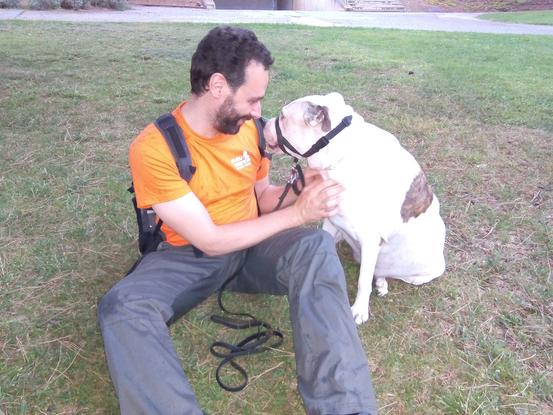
x=108, y=306
x=122, y=303
x=313, y=242
x=315, y=274
x=312, y=257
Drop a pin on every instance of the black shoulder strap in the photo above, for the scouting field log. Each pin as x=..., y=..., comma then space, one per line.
x=174, y=137
x=172, y=133
x=260, y=124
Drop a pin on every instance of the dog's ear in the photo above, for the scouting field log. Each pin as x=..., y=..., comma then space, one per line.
x=315, y=115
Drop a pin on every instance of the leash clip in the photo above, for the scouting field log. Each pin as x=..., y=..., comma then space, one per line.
x=294, y=176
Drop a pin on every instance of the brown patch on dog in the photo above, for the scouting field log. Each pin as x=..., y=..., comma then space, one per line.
x=417, y=199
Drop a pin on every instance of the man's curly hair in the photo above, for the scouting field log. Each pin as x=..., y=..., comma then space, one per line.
x=226, y=50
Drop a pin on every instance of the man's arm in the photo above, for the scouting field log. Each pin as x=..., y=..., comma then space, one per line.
x=190, y=219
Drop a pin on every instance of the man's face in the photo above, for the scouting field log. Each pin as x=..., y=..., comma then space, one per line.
x=244, y=103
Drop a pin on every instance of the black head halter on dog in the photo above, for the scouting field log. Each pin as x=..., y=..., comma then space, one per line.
x=322, y=142
x=297, y=173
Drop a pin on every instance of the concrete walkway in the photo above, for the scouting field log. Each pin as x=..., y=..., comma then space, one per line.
x=448, y=22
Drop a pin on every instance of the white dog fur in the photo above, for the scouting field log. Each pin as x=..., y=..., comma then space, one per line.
x=388, y=212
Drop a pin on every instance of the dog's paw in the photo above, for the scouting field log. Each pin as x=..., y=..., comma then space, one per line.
x=360, y=312
x=381, y=286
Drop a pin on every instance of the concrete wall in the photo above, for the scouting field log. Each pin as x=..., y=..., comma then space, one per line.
x=315, y=5
x=279, y=4
x=246, y=4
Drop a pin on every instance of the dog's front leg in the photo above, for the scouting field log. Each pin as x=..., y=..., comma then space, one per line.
x=332, y=230
x=369, y=255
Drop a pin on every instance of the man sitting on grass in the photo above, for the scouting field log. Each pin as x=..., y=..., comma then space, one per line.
x=217, y=213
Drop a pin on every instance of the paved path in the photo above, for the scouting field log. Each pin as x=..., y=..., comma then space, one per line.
x=449, y=22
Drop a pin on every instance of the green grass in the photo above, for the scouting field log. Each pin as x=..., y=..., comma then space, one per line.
x=487, y=5
x=477, y=112
x=541, y=17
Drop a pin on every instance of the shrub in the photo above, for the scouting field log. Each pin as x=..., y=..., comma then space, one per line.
x=9, y=4
x=75, y=4
x=112, y=4
x=44, y=4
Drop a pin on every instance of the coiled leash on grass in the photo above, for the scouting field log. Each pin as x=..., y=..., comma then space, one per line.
x=252, y=344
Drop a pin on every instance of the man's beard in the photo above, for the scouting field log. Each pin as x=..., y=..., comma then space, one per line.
x=227, y=120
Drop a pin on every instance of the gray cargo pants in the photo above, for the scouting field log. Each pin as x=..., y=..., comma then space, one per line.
x=333, y=375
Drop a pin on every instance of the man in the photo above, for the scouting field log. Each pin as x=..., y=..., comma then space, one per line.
x=217, y=212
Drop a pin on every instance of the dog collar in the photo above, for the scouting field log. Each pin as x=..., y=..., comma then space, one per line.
x=322, y=142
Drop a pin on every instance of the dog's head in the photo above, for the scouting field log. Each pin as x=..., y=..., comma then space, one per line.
x=304, y=121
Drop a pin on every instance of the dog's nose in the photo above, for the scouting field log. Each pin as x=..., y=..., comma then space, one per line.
x=269, y=133
x=267, y=125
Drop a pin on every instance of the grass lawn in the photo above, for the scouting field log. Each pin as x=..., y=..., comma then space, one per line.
x=541, y=17
x=477, y=112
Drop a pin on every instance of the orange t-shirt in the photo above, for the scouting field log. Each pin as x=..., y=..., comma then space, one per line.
x=227, y=167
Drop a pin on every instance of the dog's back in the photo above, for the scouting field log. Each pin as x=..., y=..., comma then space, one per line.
x=382, y=179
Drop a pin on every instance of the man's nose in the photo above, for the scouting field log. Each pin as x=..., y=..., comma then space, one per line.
x=255, y=111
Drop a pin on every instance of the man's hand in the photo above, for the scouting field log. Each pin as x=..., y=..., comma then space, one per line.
x=319, y=199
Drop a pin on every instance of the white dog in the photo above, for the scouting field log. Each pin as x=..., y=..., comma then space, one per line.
x=388, y=213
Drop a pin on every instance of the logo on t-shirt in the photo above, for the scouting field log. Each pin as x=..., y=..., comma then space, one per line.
x=241, y=161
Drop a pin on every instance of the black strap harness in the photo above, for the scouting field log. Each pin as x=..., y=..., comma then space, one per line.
x=168, y=127
x=322, y=142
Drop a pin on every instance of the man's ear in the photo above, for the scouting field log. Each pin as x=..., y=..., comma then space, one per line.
x=315, y=115
x=218, y=85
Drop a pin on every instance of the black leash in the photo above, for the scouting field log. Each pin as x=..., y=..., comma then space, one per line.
x=252, y=344
x=296, y=182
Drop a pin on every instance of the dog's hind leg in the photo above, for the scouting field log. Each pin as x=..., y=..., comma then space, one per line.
x=416, y=254
x=381, y=286
x=369, y=254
